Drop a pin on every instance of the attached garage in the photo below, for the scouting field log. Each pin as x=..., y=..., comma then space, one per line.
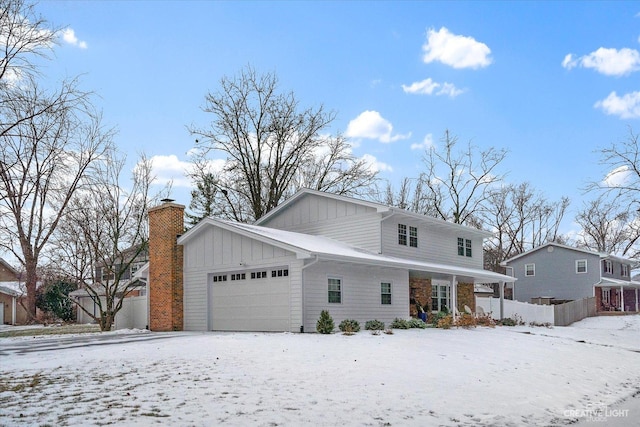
x=251, y=300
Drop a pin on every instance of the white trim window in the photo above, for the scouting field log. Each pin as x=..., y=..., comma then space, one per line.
x=608, y=266
x=385, y=293
x=581, y=266
x=464, y=247
x=413, y=237
x=440, y=297
x=402, y=234
x=606, y=295
x=530, y=270
x=624, y=270
x=334, y=289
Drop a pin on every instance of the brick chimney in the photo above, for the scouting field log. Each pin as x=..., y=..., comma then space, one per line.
x=166, y=223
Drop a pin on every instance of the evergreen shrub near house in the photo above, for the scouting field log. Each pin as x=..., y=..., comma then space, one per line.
x=325, y=323
x=374, y=325
x=400, y=324
x=349, y=326
x=435, y=318
x=53, y=298
x=416, y=323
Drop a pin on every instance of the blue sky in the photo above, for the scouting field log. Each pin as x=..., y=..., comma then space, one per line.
x=549, y=81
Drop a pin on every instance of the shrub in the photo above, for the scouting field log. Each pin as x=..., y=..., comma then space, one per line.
x=486, y=320
x=374, y=325
x=325, y=323
x=349, y=326
x=53, y=298
x=445, y=322
x=538, y=324
x=400, y=323
x=466, y=320
x=507, y=321
x=435, y=318
x=417, y=323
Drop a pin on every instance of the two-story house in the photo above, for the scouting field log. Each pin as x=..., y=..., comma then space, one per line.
x=560, y=272
x=315, y=251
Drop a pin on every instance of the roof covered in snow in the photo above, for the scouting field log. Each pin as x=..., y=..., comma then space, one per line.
x=310, y=246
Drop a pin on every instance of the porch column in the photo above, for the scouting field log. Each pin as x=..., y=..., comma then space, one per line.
x=454, y=297
x=502, y=283
x=636, y=301
x=621, y=299
x=14, y=307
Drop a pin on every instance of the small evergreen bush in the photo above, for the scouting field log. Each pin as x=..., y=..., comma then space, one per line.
x=400, y=323
x=349, y=326
x=374, y=325
x=325, y=323
x=417, y=323
x=435, y=318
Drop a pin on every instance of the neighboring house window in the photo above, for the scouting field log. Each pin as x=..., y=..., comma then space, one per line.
x=624, y=270
x=335, y=290
x=413, y=237
x=385, y=293
x=439, y=297
x=529, y=269
x=402, y=234
x=581, y=266
x=608, y=266
x=464, y=247
x=606, y=296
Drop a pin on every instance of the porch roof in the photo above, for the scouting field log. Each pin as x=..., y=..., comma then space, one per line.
x=607, y=281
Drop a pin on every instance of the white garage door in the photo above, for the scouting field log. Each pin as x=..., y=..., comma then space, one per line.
x=255, y=300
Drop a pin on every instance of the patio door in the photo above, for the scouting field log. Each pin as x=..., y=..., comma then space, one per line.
x=440, y=295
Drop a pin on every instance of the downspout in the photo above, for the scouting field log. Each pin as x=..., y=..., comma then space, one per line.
x=315, y=260
x=14, y=308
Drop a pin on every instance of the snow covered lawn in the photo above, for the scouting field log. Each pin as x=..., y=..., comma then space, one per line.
x=483, y=376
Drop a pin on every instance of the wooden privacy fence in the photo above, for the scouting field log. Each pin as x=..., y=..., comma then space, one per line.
x=557, y=315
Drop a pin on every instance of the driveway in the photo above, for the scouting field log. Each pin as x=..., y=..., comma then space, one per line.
x=45, y=343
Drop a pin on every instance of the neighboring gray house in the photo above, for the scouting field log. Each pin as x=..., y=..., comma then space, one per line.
x=559, y=272
x=316, y=251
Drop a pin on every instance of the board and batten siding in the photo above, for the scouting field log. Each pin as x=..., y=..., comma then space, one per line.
x=555, y=274
x=436, y=245
x=216, y=250
x=361, y=295
x=348, y=222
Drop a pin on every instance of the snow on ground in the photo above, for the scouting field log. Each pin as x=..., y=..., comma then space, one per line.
x=483, y=376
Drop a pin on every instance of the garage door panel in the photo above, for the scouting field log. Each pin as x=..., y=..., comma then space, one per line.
x=250, y=305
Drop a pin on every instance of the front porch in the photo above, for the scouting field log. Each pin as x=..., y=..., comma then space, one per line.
x=617, y=296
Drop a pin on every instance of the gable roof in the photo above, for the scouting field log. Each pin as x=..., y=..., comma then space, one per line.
x=8, y=266
x=309, y=246
x=385, y=210
x=549, y=244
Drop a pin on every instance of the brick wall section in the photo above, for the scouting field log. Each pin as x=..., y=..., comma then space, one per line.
x=420, y=292
x=166, y=223
x=466, y=297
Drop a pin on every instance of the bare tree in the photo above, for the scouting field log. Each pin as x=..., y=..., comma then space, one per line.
x=104, y=236
x=456, y=182
x=48, y=141
x=272, y=147
x=521, y=219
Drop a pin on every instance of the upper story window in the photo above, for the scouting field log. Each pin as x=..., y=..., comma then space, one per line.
x=581, y=266
x=464, y=247
x=624, y=270
x=402, y=234
x=529, y=269
x=607, y=266
x=413, y=237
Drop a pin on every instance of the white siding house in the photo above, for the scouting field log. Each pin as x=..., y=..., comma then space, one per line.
x=319, y=251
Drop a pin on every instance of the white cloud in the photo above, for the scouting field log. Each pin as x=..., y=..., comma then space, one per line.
x=374, y=165
x=371, y=125
x=607, y=61
x=429, y=87
x=455, y=51
x=627, y=106
x=427, y=143
x=618, y=177
x=171, y=169
x=69, y=36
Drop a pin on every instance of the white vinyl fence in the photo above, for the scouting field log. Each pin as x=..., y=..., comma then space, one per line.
x=528, y=312
x=557, y=315
x=133, y=314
